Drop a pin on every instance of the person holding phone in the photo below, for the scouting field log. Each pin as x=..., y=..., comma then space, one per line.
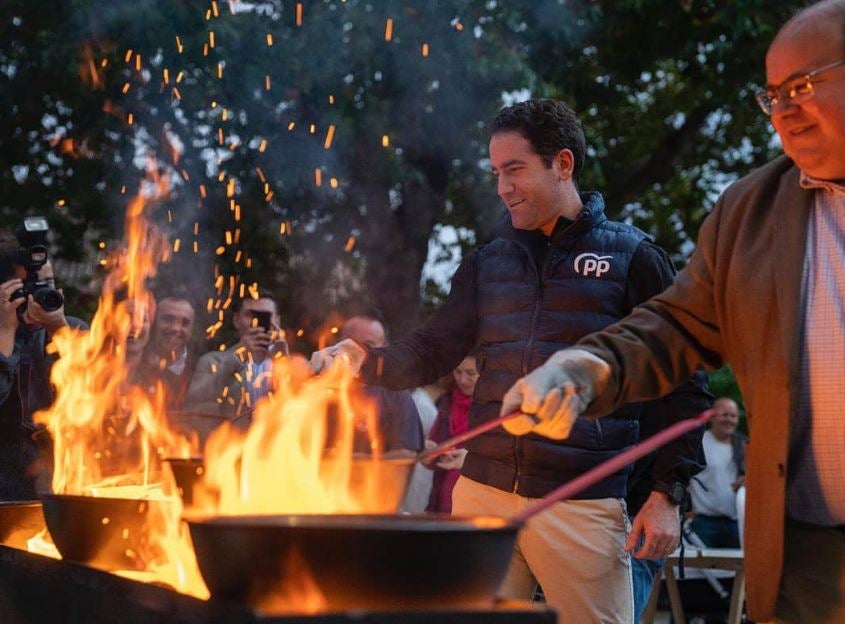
x=229, y=383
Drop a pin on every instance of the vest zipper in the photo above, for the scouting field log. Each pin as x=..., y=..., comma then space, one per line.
x=526, y=354
x=540, y=272
x=535, y=314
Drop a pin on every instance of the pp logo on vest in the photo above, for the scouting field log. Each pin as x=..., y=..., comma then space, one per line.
x=587, y=263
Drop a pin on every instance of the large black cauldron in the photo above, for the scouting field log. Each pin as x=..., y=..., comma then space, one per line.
x=354, y=561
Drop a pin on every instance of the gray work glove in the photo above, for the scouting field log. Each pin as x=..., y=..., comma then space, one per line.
x=347, y=349
x=555, y=394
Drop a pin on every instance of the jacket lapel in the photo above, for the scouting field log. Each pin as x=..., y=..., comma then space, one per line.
x=793, y=206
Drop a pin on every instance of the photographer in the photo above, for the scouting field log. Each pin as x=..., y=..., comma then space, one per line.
x=31, y=311
x=229, y=383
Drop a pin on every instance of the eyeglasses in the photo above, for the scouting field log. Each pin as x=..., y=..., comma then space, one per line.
x=796, y=89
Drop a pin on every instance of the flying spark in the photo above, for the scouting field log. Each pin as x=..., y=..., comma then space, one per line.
x=329, y=137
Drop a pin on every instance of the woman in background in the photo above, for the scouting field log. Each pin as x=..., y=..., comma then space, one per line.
x=452, y=419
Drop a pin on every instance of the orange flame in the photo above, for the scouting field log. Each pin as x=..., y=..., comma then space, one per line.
x=107, y=432
x=297, y=456
x=41, y=543
x=298, y=592
x=110, y=435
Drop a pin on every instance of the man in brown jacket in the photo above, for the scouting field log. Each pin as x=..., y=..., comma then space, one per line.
x=764, y=290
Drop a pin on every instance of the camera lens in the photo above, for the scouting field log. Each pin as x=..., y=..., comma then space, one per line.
x=48, y=298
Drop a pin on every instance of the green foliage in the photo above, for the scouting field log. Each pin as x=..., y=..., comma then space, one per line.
x=723, y=384
x=336, y=70
x=665, y=93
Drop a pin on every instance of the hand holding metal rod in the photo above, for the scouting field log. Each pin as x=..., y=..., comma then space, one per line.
x=448, y=445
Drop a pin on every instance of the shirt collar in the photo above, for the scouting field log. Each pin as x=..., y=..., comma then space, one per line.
x=809, y=182
x=178, y=365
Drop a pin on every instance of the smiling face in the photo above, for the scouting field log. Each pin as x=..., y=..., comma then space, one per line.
x=812, y=129
x=535, y=195
x=725, y=418
x=174, y=322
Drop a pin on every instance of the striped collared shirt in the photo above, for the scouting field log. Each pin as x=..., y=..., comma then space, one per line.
x=816, y=479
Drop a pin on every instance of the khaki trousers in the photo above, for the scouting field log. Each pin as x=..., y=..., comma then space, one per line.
x=575, y=550
x=812, y=588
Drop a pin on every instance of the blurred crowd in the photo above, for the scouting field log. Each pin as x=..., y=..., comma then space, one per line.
x=205, y=388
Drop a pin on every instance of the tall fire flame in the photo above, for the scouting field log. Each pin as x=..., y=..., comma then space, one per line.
x=107, y=432
x=109, y=436
x=297, y=457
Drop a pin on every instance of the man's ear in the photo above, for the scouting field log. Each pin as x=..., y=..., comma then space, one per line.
x=565, y=160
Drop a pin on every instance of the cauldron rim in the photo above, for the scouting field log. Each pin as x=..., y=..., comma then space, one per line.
x=54, y=496
x=362, y=522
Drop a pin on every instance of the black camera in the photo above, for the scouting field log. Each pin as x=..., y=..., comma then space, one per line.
x=32, y=237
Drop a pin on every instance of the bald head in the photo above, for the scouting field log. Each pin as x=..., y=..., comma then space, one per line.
x=725, y=418
x=726, y=403
x=828, y=15
x=811, y=121
x=364, y=329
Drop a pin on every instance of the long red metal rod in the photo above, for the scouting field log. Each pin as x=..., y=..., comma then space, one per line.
x=614, y=464
x=448, y=445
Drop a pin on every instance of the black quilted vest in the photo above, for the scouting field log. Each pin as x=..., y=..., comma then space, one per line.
x=526, y=313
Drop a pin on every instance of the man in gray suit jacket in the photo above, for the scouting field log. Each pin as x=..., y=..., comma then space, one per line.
x=228, y=383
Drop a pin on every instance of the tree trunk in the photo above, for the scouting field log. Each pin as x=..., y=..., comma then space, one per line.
x=395, y=242
x=394, y=239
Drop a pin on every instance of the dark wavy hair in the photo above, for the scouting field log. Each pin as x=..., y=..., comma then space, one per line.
x=179, y=292
x=549, y=125
x=263, y=293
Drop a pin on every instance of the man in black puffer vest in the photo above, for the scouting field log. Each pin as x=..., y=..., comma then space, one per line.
x=556, y=271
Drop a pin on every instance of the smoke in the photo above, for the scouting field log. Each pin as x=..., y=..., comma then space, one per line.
x=290, y=133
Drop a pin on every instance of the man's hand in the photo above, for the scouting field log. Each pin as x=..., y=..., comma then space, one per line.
x=355, y=355
x=9, y=308
x=36, y=315
x=658, y=521
x=256, y=341
x=278, y=341
x=555, y=394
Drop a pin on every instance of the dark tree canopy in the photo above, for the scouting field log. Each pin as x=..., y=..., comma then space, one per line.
x=318, y=148
x=665, y=90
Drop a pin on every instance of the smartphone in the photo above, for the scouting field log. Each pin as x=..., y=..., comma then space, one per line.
x=263, y=320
